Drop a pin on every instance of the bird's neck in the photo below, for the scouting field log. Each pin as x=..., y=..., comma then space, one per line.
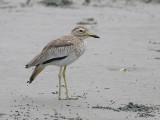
x=82, y=38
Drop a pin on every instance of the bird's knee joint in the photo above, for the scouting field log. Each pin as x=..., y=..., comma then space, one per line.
x=64, y=75
x=59, y=75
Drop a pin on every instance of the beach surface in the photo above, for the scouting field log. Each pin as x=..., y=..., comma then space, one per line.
x=118, y=77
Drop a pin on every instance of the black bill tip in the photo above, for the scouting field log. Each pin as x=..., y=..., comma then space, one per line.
x=95, y=36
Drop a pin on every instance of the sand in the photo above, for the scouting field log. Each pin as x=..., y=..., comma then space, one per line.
x=119, y=69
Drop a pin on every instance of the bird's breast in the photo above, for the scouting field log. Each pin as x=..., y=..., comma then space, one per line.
x=80, y=48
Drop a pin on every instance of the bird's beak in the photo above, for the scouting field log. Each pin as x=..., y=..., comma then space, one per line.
x=92, y=35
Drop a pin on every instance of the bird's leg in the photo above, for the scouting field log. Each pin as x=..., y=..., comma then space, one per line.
x=60, y=76
x=64, y=77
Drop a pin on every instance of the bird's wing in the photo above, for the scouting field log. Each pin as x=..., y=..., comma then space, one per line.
x=54, y=50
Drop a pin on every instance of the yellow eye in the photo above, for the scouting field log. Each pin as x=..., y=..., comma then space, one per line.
x=80, y=31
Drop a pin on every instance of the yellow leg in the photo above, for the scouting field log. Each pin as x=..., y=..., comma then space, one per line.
x=60, y=76
x=64, y=76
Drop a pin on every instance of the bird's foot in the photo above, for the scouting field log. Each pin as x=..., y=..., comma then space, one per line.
x=69, y=98
x=72, y=98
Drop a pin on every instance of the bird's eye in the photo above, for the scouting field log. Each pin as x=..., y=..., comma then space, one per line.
x=80, y=31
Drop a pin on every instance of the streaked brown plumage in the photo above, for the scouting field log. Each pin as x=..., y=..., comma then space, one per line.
x=61, y=52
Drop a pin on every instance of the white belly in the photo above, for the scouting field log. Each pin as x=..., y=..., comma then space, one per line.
x=68, y=60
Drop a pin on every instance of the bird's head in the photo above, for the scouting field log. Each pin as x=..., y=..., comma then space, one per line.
x=82, y=32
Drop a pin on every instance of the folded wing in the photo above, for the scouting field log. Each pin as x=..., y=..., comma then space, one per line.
x=54, y=50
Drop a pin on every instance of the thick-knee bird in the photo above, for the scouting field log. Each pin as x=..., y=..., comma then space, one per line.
x=61, y=52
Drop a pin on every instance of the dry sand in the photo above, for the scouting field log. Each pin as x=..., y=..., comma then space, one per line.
x=130, y=41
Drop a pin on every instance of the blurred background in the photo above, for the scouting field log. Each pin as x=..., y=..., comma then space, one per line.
x=119, y=68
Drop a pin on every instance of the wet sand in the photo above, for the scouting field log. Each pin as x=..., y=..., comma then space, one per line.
x=120, y=68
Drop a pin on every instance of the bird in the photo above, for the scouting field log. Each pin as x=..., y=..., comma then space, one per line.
x=61, y=52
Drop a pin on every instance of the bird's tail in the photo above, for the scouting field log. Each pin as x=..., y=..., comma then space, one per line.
x=36, y=71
